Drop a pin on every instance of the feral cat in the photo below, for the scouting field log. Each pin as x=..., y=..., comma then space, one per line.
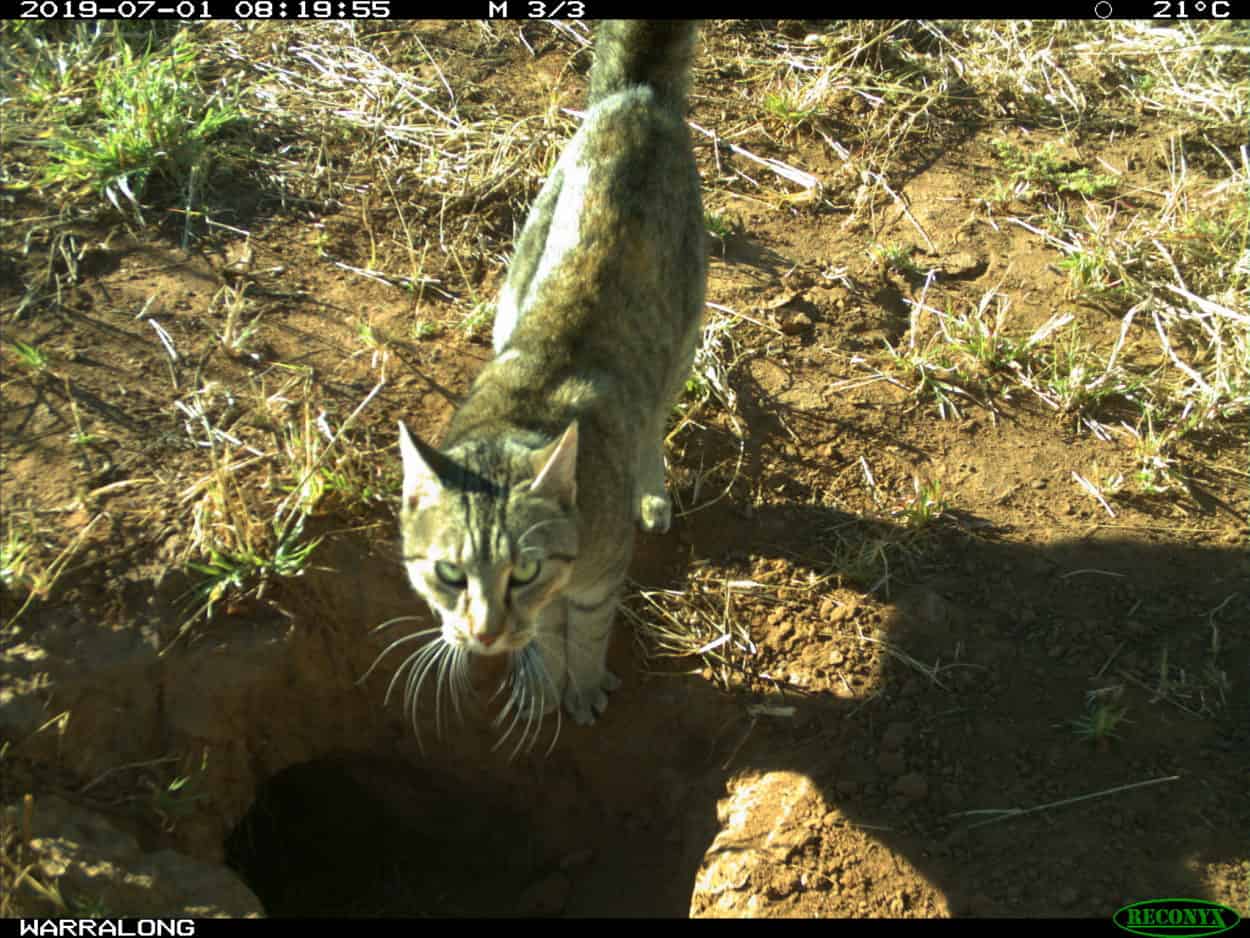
x=518, y=531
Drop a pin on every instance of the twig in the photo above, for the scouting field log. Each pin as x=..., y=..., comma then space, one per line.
x=1006, y=814
x=789, y=173
x=898, y=200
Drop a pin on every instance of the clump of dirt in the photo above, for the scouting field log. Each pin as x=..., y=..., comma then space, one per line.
x=919, y=669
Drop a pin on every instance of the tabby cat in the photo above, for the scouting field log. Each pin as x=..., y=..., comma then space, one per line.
x=519, y=529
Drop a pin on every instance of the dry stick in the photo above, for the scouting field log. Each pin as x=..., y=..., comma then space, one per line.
x=785, y=171
x=1209, y=306
x=1167, y=347
x=1064, y=576
x=898, y=200
x=121, y=768
x=441, y=77
x=796, y=176
x=1004, y=814
x=1166, y=698
x=1093, y=490
x=752, y=319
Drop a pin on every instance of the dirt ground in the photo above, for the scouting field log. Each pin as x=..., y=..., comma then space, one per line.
x=893, y=683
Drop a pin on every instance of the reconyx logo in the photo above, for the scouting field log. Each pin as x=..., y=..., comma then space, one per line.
x=1188, y=918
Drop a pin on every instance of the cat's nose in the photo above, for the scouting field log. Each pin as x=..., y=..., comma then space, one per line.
x=486, y=638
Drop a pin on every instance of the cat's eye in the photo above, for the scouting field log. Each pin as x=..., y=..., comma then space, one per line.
x=525, y=570
x=450, y=574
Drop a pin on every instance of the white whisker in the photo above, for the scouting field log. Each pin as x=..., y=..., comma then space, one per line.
x=404, y=665
x=416, y=678
x=457, y=683
x=534, y=527
x=390, y=622
x=399, y=641
x=525, y=691
x=438, y=693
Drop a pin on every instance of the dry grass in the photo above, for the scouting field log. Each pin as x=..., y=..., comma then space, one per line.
x=363, y=120
x=367, y=117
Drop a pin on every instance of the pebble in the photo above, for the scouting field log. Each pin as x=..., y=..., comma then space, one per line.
x=796, y=323
x=963, y=264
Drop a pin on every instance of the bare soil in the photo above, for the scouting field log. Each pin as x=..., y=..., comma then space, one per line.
x=898, y=709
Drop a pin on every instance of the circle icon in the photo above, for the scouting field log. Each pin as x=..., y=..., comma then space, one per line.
x=1102, y=9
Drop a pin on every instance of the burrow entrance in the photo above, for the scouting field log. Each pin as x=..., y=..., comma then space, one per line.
x=323, y=839
x=614, y=821
x=599, y=828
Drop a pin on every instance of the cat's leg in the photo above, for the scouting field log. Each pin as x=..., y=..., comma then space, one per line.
x=654, y=509
x=589, y=681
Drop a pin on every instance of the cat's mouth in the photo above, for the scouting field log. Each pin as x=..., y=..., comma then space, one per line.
x=511, y=638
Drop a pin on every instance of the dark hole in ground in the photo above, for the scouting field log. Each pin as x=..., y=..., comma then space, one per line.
x=320, y=841
x=383, y=837
x=613, y=822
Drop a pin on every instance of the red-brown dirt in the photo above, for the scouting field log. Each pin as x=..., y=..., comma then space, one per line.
x=849, y=759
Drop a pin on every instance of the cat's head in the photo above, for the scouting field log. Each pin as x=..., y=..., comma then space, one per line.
x=489, y=532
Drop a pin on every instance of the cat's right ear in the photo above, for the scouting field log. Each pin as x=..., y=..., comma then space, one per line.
x=420, y=477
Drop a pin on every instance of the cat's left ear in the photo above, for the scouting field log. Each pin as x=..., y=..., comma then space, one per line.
x=555, y=468
x=420, y=474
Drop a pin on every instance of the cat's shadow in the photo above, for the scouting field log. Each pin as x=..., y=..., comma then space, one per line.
x=982, y=642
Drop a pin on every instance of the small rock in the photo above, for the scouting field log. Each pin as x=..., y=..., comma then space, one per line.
x=912, y=786
x=795, y=323
x=842, y=613
x=836, y=657
x=963, y=264
x=780, y=300
x=784, y=884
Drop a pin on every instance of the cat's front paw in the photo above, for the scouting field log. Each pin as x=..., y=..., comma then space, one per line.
x=655, y=514
x=586, y=704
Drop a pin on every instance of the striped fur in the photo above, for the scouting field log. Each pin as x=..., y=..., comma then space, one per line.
x=557, y=451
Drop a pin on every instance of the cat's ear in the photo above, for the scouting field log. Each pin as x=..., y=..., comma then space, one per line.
x=420, y=475
x=555, y=468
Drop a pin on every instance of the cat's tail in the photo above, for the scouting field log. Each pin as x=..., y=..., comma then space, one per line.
x=655, y=53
